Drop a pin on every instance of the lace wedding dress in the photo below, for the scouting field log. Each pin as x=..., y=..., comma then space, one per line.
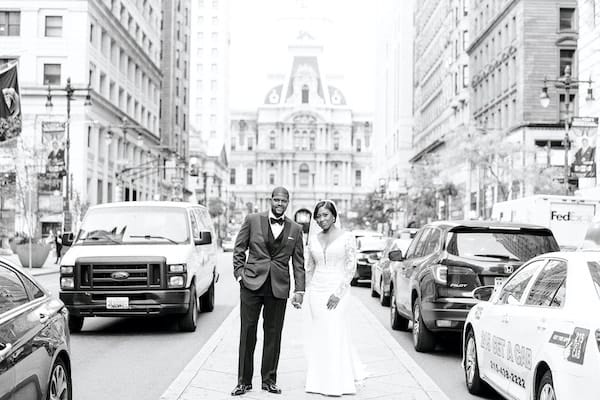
x=333, y=367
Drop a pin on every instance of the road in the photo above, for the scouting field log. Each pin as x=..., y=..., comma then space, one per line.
x=131, y=359
x=121, y=358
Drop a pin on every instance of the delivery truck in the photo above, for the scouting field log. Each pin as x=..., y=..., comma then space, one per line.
x=567, y=216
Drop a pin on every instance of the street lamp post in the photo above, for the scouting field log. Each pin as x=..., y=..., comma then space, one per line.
x=566, y=82
x=69, y=90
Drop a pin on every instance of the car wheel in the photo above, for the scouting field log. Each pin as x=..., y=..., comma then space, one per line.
x=397, y=321
x=60, y=387
x=207, y=300
x=474, y=383
x=75, y=323
x=384, y=299
x=546, y=388
x=373, y=291
x=188, y=322
x=423, y=338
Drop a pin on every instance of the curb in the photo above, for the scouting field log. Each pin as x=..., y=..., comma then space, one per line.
x=185, y=377
x=432, y=390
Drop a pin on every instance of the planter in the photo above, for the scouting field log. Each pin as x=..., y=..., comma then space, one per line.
x=39, y=254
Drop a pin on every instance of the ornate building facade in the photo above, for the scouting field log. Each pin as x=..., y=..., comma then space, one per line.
x=304, y=137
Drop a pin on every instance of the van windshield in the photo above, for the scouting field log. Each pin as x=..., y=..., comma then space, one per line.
x=141, y=225
x=503, y=245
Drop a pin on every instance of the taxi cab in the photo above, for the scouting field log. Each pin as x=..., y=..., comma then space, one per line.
x=535, y=337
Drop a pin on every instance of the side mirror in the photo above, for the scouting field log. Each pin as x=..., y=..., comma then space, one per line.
x=67, y=239
x=483, y=293
x=205, y=238
x=396, y=255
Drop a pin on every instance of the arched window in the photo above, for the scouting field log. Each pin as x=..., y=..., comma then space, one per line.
x=305, y=94
x=304, y=172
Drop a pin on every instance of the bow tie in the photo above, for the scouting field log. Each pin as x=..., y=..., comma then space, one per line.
x=276, y=221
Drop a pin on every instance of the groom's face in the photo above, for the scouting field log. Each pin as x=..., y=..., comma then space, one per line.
x=279, y=203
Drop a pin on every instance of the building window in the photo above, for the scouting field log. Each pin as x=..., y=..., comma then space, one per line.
x=250, y=144
x=249, y=176
x=567, y=57
x=51, y=74
x=358, y=145
x=10, y=23
x=567, y=19
x=358, y=178
x=305, y=94
x=336, y=141
x=232, y=176
x=272, y=141
x=271, y=178
x=336, y=179
x=465, y=76
x=54, y=26
x=303, y=175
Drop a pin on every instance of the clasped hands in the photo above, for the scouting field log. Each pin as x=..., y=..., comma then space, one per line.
x=332, y=302
x=297, y=300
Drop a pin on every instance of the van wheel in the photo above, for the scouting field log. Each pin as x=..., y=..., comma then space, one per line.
x=207, y=300
x=75, y=323
x=423, y=338
x=188, y=322
x=397, y=321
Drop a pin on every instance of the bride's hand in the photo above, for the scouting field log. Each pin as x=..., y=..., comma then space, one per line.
x=332, y=302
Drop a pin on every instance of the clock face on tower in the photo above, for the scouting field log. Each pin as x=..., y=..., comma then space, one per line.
x=273, y=97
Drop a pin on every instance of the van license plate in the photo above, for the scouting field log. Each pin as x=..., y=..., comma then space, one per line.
x=117, y=303
x=498, y=282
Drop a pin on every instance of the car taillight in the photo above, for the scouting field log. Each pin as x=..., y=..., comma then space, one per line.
x=440, y=274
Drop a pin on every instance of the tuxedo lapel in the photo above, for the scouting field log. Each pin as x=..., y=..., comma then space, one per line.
x=287, y=226
x=264, y=226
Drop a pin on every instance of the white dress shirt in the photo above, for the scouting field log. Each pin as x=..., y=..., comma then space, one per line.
x=276, y=229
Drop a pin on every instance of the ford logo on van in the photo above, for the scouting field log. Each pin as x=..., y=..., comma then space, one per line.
x=120, y=275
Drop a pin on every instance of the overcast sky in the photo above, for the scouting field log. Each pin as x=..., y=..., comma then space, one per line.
x=262, y=29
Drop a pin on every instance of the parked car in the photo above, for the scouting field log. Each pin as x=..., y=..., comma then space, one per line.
x=141, y=259
x=365, y=232
x=368, y=251
x=538, y=336
x=380, y=270
x=431, y=286
x=35, y=360
x=228, y=243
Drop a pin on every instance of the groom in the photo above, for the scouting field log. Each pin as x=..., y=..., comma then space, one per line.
x=264, y=278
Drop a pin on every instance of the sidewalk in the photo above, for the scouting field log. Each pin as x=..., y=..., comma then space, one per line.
x=393, y=374
x=48, y=268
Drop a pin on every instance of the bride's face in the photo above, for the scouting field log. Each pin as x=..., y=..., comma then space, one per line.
x=324, y=218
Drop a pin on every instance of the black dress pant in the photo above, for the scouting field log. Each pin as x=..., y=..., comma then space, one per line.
x=251, y=303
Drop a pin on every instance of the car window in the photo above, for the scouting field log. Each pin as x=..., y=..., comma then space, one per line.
x=421, y=243
x=518, y=245
x=194, y=224
x=559, y=297
x=546, y=285
x=12, y=291
x=513, y=289
x=411, y=249
x=594, y=269
x=32, y=288
x=432, y=242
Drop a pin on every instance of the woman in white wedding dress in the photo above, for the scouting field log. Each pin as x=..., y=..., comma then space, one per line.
x=333, y=367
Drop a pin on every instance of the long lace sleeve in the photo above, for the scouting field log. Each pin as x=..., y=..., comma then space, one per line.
x=309, y=267
x=349, y=265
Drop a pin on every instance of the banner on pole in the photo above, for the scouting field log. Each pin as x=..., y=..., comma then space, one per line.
x=53, y=138
x=10, y=103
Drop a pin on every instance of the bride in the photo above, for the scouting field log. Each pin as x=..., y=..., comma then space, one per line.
x=333, y=366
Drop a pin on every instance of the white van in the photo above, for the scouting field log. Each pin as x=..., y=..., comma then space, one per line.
x=140, y=259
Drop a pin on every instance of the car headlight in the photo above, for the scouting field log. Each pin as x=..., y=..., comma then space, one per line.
x=177, y=268
x=66, y=270
x=67, y=283
x=176, y=281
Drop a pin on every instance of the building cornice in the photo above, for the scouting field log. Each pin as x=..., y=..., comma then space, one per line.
x=499, y=17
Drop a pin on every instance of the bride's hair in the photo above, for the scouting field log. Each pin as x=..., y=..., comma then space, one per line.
x=328, y=204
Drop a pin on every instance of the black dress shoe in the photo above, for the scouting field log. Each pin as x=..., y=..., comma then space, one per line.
x=271, y=388
x=241, y=389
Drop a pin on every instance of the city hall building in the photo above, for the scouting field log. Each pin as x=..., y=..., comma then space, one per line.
x=304, y=137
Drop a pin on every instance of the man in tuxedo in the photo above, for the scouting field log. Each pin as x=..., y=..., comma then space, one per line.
x=271, y=240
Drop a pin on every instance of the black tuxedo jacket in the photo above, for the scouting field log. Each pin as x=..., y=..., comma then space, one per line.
x=254, y=269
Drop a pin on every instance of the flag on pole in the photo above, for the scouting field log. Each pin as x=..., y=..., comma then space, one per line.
x=10, y=103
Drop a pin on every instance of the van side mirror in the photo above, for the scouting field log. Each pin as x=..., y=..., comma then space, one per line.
x=396, y=255
x=483, y=293
x=67, y=239
x=205, y=238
